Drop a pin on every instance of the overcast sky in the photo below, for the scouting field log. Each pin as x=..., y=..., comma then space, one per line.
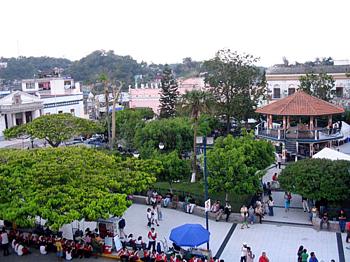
x=165, y=31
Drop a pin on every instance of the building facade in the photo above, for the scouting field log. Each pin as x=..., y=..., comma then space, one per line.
x=59, y=94
x=148, y=97
x=48, y=94
x=283, y=81
x=19, y=108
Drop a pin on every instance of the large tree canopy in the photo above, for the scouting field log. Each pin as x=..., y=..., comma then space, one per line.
x=236, y=83
x=55, y=129
x=318, y=179
x=319, y=85
x=175, y=133
x=233, y=164
x=68, y=183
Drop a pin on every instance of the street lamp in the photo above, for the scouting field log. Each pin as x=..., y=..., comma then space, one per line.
x=203, y=142
x=161, y=146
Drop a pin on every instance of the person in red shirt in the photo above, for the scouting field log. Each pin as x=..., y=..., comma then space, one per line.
x=124, y=254
x=87, y=251
x=152, y=238
x=263, y=258
x=161, y=257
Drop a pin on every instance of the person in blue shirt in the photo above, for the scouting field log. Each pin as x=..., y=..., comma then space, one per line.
x=313, y=257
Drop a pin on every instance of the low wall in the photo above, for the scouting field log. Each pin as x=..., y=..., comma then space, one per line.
x=198, y=210
x=333, y=225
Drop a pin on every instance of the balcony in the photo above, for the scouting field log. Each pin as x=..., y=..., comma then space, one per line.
x=18, y=108
x=299, y=135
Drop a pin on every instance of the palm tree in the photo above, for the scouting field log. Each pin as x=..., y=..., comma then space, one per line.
x=195, y=103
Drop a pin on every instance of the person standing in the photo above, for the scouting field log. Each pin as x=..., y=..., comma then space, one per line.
x=152, y=238
x=155, y=215
x=300, y=251
x=244, y=252
x=5, y=242
x=279, y=161
x=251, y=215
x=305, y=204
x=313, y=257
x=342, y=220
x=304, y=256
x=121, y=225
x=244, y=214
x=270, y=204
x=287, y=198
x=149, y=217
x=227, y=210
x=263, y=257
x=250, y=255
x=347, y=232
x=259, y=212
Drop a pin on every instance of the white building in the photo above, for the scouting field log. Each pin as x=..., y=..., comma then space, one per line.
x=49, y=94
x=284, y=80
x=18, y=108
x=59, y=94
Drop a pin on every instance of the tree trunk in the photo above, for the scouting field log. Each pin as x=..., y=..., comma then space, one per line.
x=107, y=113
x=228, y=124
x=226, y=197
x=115, y=98
x=194, y=161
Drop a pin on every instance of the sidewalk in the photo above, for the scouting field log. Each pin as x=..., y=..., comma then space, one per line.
x=295, y=213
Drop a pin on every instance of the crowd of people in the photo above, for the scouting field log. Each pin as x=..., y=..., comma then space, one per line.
x=23, y=243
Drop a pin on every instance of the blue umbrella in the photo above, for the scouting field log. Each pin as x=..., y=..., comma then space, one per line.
x=189, y=235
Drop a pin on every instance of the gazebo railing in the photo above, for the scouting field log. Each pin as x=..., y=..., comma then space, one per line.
x=294, y=133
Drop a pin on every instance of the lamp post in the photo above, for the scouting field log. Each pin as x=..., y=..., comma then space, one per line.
x=161, y=145
x=204, y=141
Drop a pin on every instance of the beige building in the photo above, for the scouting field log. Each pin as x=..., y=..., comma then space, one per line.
x=284, y=80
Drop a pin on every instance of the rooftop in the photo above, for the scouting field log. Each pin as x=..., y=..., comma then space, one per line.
x=300, y=104
x=303, y=69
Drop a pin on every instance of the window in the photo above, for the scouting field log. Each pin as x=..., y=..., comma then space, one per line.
x=60, y=112
x=291, y=91
x=44, y=86
x=72, y=111
x=339, y=92
x=276, y=92
x=30, y=85
x=48, y=113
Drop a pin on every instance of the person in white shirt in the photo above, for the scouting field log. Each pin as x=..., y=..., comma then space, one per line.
x=43, y=249
x=244, y=252
x=20, y=249
x=5, y=242
x=69, y=255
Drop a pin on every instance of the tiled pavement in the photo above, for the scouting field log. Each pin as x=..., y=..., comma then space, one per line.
x=279, y=241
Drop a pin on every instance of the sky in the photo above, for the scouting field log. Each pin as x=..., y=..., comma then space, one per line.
x=166, y=31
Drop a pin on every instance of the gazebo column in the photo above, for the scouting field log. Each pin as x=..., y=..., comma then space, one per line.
x=311, y=125
x=284, y=122
x=288, y=122
x=297, y=151
x=329, y=121
x=311, y=149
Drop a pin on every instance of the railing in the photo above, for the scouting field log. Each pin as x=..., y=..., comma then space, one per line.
x=293, y=133
x=21, y=107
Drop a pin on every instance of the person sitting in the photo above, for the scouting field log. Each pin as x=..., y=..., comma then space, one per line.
x=69, y=254
x=167, y=199
x=215, y=207
x=161, y=257
x=131, y=241
x=124, y=254
x=324, y=220
x=43, y=249
x=190, y=205
x=139, y=244
x=87, y=251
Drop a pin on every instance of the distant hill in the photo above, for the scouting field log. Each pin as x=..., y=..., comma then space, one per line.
x=87, y=69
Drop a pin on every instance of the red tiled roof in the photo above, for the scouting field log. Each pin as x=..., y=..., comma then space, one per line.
x=300, y=104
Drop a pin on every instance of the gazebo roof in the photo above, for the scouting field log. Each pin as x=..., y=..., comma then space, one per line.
x=300, y=104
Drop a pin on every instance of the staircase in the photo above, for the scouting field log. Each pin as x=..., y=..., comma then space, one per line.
x=291, y=147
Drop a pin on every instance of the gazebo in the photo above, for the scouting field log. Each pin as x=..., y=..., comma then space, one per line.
x=293, y=123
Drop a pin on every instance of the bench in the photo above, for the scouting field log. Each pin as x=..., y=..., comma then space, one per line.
x=333, y=225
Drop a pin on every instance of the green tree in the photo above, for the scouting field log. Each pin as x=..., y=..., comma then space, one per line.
x=128, y=121
x=233, y=164
x=174, y=168
x=175, y=133
x=320, y=85
x=195, y=103
x=318, y=179
x=68, y=183
x=168, y=94
x=236, y=84
x=55, y=129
